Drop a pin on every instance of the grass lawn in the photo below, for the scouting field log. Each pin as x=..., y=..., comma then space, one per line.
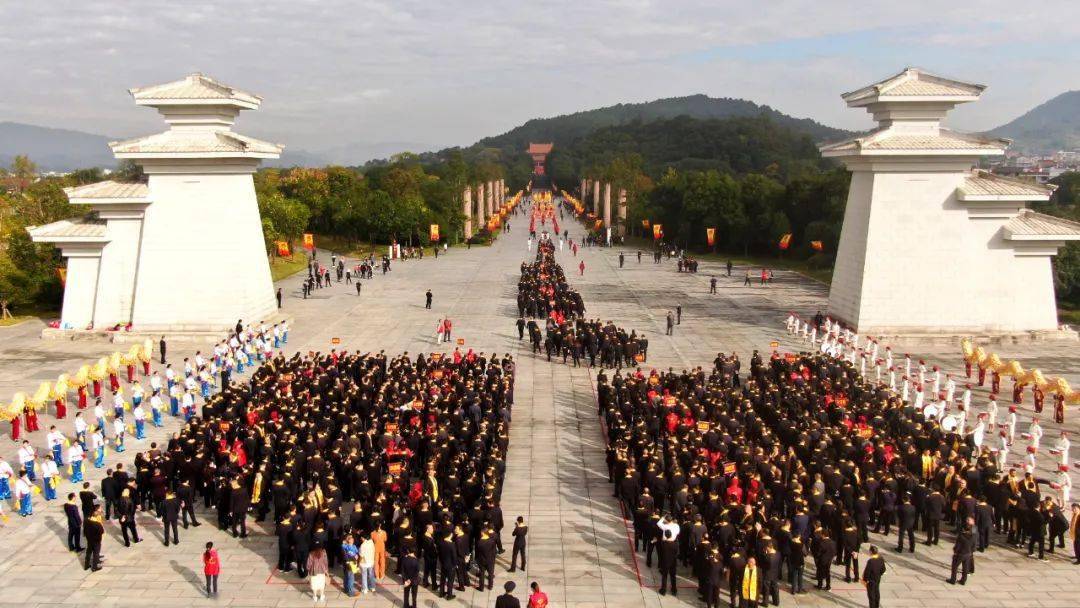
x=1067, y=314
x=24, y=313
x=284, y=267
x=350, y=248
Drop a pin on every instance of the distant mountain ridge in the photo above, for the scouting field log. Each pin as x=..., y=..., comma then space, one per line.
x=66, y=149
x=1048, y=127
x=54, y=149
x=566, y=128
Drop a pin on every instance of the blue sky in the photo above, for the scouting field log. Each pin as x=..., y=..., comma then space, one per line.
x=341, y=72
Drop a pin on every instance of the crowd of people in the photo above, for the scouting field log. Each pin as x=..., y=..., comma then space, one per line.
x=802, y=459
x=543, y=291
x=569, y=336
x=415, y=446
x=123, y=407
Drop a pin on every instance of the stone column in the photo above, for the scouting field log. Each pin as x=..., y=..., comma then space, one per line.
x=490, y=198
x=596, y=197
x=584, y=185
x=502, y=192
x=621, y=213
x=466, y=209
x=607, y=205
x=481, y=215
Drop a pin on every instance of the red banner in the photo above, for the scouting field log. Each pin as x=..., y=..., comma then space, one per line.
x=710, y=236
x=433, y=233
x=645, y=224
x=817, y=245
x=309, y=241
x=62, y=273
x=657, y=232
x=785, y=241
x=283, y=249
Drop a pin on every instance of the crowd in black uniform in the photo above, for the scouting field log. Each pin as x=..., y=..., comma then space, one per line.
x=799, y=460
x=543, y=290
x=567, y=333
x=339, y=443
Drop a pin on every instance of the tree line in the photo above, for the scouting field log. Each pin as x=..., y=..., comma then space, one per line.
x=394, y=201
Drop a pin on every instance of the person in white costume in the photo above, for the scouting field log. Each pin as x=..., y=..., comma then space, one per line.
x=1061, y=449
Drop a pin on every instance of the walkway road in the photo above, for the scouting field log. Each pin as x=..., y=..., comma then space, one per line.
x=578, y=541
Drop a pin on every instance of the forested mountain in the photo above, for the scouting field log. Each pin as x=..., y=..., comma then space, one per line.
x=732, y=145
x=1048, y=127
x=566, y=129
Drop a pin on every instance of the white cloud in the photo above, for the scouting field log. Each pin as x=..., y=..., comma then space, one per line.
x=454, y=71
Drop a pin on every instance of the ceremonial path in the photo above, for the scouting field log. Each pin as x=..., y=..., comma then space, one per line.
x=579, y=549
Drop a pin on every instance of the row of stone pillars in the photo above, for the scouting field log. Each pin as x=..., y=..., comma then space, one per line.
x=594, y=186
x=490, y=196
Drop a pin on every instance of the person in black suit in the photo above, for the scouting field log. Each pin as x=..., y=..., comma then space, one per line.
x=520, y=533
x=934, y=510
x=712, y=578
x=495, y=516
x=88, y=499
x=447, y=565
x=507, y=599
x=668, y=551
x=464, y=545
x=186, y=495
x=74, y=522
x=871, y=577
x=93, y=530
x=906, y=517
x=826, y=552
x=161, y=349
x=170, y=517
x=239, y=501
x=962, y=552
x=410, y=577
x=485, y=559
x=771, y=564
x=109, y=492
x=125, y=510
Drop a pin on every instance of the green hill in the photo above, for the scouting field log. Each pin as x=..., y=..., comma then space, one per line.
x=1049, y=127
x=566, y=129
x=734, y=145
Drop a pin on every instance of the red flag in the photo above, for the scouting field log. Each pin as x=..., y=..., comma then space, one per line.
x=785, y=241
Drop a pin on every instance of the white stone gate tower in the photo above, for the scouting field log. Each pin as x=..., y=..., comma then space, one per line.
x=185, y=251
x=929, y=245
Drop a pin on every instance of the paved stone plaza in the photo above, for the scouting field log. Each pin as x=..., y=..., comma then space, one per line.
x=579, y=548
